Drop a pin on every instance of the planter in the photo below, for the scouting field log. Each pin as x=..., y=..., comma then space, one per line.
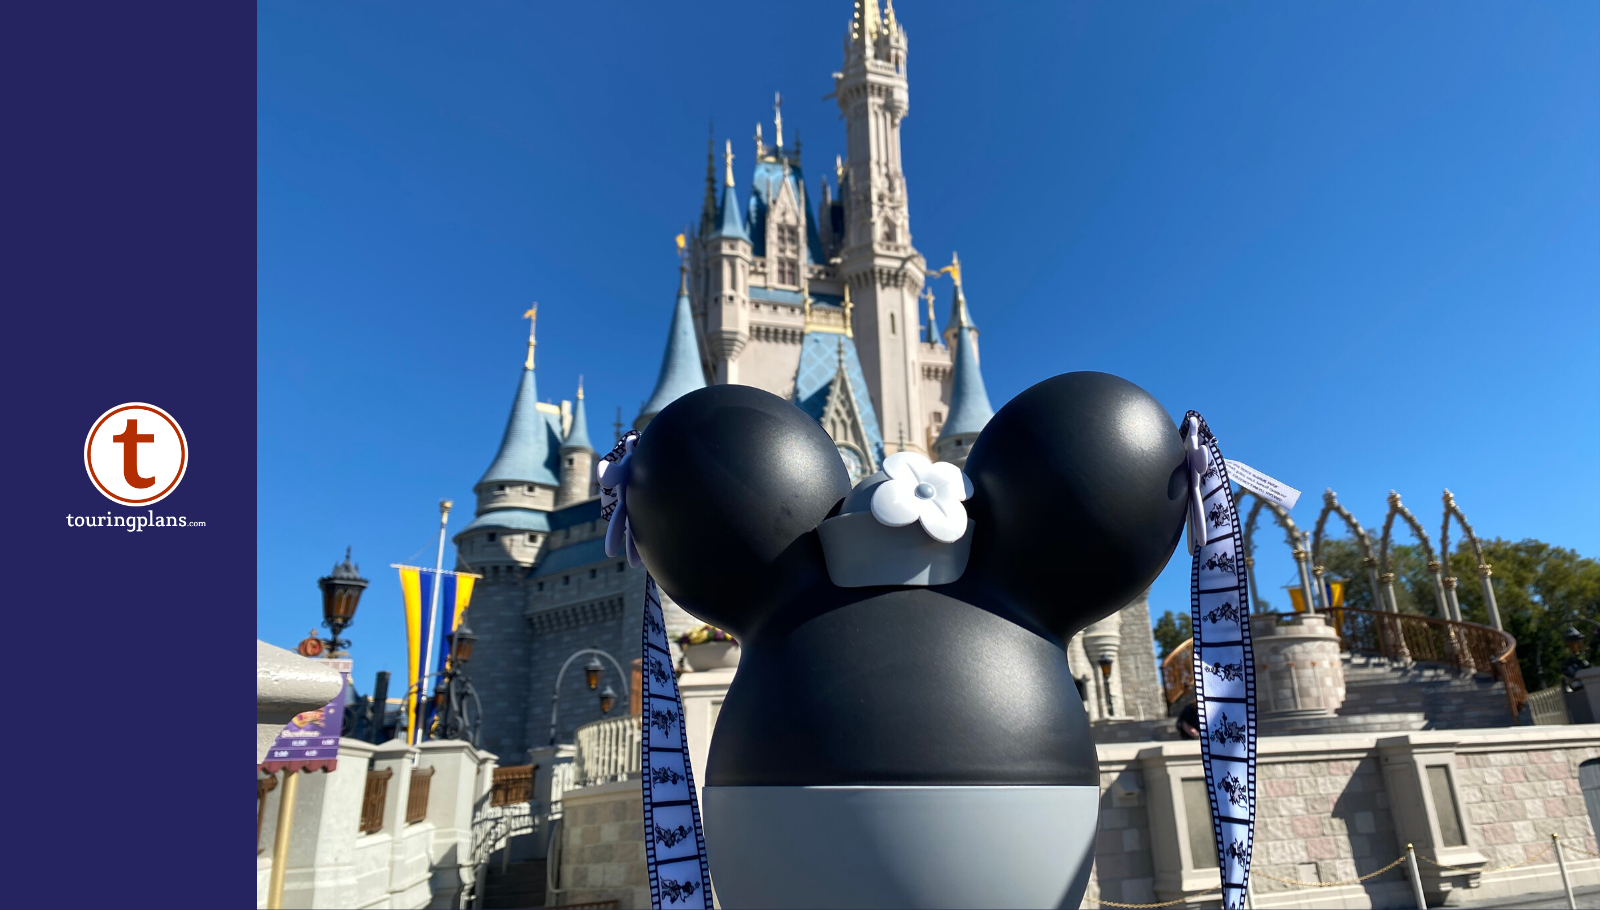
x=711, y=655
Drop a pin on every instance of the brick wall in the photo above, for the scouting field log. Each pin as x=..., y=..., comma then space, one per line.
x=602, y=854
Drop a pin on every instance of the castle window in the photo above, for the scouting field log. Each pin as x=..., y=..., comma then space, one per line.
x=530, y=488
x=491, y=537
x=541, y=586
x=788, y=237
x=592, y=572
x=569, y=462
x=891, y=324
x=533, y=538
x=566, y=579
x=500, y=489
x=621, y=566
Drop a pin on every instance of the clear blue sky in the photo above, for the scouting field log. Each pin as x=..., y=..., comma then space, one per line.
x=1362, y=238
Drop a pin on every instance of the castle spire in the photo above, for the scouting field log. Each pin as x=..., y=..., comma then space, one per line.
x=777, y=118
x=680, y=364
x=578, y=435
x=970, y=409
x=729, y=222
x=526, y=446
x=761, y=149
x=708, y=206
x=577, y=458
x=532, y=315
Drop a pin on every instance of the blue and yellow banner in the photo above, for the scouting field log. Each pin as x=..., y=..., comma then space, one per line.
x=422, y=615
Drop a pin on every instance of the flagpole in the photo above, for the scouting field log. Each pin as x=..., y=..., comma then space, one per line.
x=433, y=618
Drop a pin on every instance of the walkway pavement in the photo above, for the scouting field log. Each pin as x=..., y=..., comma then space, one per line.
x=1588, y=899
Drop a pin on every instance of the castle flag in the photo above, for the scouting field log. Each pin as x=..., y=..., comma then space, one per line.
x=423, y=614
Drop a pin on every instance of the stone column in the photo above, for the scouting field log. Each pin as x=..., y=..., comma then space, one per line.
x=321, y=870
x=398, y=758
x=1420, y=775
x=1101, y=641
x=453, y=794
x=1298, y=671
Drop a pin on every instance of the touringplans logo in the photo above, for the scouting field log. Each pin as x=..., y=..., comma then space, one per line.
x=136, y=455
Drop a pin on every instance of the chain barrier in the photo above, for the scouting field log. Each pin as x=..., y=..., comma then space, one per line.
x=1353, y=881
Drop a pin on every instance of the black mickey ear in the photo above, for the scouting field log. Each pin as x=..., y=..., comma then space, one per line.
x=725, y=491
x=1079, y=497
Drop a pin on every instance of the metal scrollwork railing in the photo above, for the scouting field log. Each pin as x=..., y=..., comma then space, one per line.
x=1463, y=646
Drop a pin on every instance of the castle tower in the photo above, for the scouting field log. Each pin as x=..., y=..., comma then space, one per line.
x=577, y=459
x=516, y=493
x=969, y=399
x=883, y=269
x=680, y=365
x=726, y=254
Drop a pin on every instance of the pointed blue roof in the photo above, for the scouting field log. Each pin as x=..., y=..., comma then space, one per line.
x=768, y=177
x=819, y=362
x=528, y=448
x=578, y=436
x=969, y=400
x=680, y=365
x=729, y=224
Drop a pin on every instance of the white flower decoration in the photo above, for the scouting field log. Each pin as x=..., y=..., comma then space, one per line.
x=611, y=474
x=920, y=490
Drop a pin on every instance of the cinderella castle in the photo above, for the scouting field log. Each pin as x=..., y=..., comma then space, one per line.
x=822, y=300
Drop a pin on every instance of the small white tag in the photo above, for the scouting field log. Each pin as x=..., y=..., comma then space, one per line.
x=1262, y=485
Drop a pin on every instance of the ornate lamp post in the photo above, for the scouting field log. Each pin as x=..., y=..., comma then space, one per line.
x=341, y=593
x=591, y=677
x=460, y=714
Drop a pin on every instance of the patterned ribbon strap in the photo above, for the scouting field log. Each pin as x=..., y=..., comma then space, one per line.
x=674, y=842
x=1224, y=670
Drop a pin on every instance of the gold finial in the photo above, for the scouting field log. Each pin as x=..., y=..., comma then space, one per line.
x=682, y=241
x=848, y=306
x=533, y=317
x=953, y=269
x=727, y=157
x=580, y=386
x=777, y=117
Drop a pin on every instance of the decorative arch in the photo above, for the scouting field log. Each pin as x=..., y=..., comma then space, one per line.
x=1386, y=576
x=1292, y=535
x=1484, y=569
x=1332, y=506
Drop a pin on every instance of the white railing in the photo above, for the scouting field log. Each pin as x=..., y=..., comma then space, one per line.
x=608, y=750
x=1549, y=706
x=561, y=780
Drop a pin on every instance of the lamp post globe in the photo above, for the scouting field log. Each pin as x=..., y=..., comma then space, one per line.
x=591, y=671
x=608, y=699
x=341, y=594
x=461, y=642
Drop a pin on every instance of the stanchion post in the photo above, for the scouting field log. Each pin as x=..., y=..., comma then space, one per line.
x=1561, y=864
x=1249, y=893
x=1416, y=878
x=280, y=839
